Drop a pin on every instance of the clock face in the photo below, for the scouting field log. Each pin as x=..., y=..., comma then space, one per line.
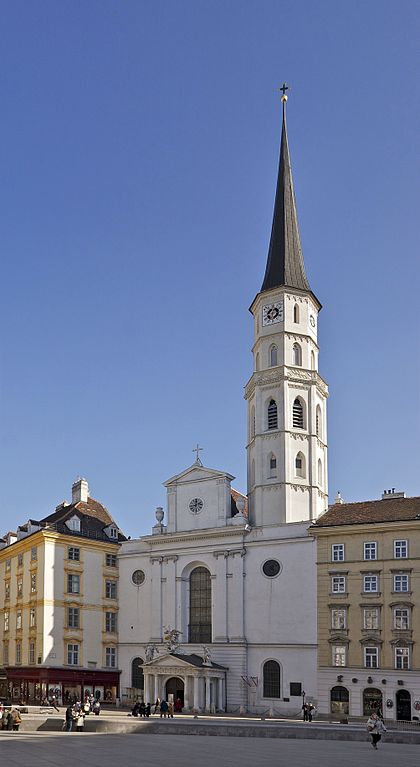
x=272, y=313
x=196, y=505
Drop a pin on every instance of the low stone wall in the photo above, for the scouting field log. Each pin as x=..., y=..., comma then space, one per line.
x=216, y=727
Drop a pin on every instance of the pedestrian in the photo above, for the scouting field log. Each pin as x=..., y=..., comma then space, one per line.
x=16, y=719
x=375, y=728
x=305, y=712
x=136, y=708
x=86, y=707
x=53, y=702
x=69, y=718
x=148, y=709
x=80, y=721
x=178, y=706
x=96, y=707
x=170, y=710
x=310, y=709
x=142, y=709
x=157, y=706
x=163, y=709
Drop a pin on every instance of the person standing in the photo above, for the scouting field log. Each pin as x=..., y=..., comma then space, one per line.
x=53, y=702
x=148, y=710
x=178, y=705
x=80, y=721
x=376, y=728
x=69, y=718
x=163, y=709
x=170, y=710
x=305, y=712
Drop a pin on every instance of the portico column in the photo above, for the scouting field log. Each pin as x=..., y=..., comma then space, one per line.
x=146, y=689
x=156, y=679
x=220, y=701
x=196, y=702
x=207, y=693
x=186, y=700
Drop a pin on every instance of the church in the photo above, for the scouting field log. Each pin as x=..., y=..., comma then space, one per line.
x=218, y=604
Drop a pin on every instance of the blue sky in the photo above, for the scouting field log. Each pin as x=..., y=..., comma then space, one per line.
x=139, y=146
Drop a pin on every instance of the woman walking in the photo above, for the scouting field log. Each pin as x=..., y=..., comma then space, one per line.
x=376, y=728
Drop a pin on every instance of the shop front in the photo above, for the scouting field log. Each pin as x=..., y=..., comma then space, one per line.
x=37, y=685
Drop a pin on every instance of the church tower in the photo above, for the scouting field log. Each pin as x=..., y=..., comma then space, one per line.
x=286, y=396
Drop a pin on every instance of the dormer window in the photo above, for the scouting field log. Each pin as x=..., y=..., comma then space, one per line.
x=73, y=524
x=113, y=532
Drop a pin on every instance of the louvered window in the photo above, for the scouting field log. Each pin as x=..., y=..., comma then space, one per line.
x=272, y=415
x=297, y=414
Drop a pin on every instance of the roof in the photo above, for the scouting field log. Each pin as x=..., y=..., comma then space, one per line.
x=369, y=512
x=92, y=508
x=195, y=660
x=94, y=517
x=285, y=265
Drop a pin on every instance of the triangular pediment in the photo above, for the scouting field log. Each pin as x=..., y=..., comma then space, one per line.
x=197, y=473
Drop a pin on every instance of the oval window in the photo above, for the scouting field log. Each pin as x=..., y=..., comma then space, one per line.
x=271, y=568
x=138, y=577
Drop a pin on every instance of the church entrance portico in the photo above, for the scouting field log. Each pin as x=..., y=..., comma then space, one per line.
x=200, y=685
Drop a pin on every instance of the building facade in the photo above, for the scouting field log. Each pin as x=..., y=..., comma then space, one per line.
x=58, y=603
x=233, y=576
x=368, y=583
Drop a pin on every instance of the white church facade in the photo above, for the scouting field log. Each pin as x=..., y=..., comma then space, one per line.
x=218, y=604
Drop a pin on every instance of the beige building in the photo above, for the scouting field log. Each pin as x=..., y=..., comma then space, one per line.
x=58, y=603
x=368, y=581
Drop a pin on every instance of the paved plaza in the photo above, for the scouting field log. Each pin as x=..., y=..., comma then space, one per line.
x=43, y=750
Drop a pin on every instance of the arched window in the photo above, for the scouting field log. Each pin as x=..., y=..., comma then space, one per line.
x=272, y=465
x=295, y=313
x=200, y=606
x=137, y=676
x=252, y=423
x=298, y=421
x=318, y=419
x=297, y=355
x=273, y=356
x=257, y=361
x=300, y=467
x=272, y=415
x=271, y=679
x=312, y=361
x=320, y=482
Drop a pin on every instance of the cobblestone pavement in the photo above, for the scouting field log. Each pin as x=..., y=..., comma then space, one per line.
x=49, y=750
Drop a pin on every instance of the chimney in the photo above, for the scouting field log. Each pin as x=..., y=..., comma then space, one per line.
x=338, y=498
x=392, y=494
x=80, y=490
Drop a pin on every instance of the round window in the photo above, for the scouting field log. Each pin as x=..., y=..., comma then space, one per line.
x=138, y=577
x=196, y=505
x=271, y=568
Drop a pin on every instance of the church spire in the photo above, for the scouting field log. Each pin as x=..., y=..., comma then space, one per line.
x=285, y=265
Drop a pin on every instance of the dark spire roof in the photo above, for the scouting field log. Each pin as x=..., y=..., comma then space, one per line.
x=285, y=265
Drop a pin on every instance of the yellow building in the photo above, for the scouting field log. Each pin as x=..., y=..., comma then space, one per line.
x=59, y=603
x=368, y=584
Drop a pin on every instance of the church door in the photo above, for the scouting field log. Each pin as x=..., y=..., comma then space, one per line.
x=175, y=689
